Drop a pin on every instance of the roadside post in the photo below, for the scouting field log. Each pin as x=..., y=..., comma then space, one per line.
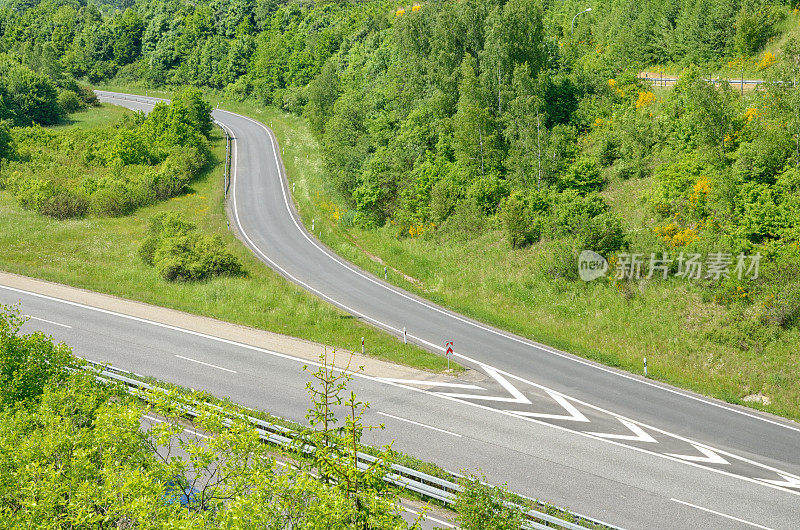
x=385, y=274
x=405, y=336
x=448, y=352
x=362, y=345
x=645, y=366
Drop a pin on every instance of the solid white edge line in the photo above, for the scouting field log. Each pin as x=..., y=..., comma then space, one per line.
x=441, y=395
x=206, y=364
x=428, y=517
x=48, y=321
x=184, y=428
x=422, y=382
x=418, y=423
x=756, y=525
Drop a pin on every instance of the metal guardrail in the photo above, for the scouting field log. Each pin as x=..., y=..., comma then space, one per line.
x=423, y=484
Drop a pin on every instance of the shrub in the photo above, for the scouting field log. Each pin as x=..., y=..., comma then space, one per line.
x=111, y=199
x=179, y=253
x=603, y=234
x=583, y=176
x=487, y=192
x=65, y=204
x=69, y=101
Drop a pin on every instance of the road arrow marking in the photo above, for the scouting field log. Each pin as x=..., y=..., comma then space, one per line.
x=574, y=414
x=638, y=434
x=710, y=456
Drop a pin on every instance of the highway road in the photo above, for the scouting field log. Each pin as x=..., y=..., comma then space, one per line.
x=602, y=442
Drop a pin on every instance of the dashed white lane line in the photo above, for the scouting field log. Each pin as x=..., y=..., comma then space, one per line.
x=206, y=364
x=419, y=424
x=48, y=321
x=732, y=518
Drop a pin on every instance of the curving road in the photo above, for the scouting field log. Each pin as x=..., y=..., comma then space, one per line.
x=728, y=463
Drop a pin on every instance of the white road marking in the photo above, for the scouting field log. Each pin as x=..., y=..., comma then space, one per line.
x=638, y=434
x=419, y=424
x=574, y=414
x=184, y=428
x=432, y=383
x=519, y=397
x=48, y=321
x=755, y=525
x=430, y=518
x=206, y=364
x=710, y=456
x=788, y=482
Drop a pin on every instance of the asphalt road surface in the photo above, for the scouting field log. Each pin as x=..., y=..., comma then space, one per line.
x=605, y=443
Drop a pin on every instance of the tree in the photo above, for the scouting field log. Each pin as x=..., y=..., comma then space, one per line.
x=475, y=133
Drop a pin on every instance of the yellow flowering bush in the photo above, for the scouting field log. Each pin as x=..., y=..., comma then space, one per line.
x=750, y=113
x=612, y=83
x=674, y=235
x=645, y=99
x=766, y=61
x=416, y=7
x=400, y=12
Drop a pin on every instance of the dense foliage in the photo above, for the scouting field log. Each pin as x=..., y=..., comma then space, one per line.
x=110, y=170
x=178, y=252
x=74, y=454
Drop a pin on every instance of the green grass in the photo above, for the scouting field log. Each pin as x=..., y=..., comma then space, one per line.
x=667, y=322
x=100, y=254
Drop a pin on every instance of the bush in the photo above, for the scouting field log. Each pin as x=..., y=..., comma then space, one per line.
x=583, y=176
x=112, y=199
x=69, y=101
x=481, y=506
x=603, y=234
x=65, y=204
x=521, y=224
x=487, y=192
x=179, y=253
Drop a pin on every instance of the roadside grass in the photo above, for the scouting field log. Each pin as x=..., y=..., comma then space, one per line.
x=668, y=322
x=99, y=254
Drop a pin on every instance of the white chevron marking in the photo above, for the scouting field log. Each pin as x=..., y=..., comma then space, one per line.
x=710, y=456
x=639, y=434
x=574, y=414
x=518, y=396
x=788, y=482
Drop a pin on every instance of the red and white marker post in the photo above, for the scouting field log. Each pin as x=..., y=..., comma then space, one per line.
x=448, y=352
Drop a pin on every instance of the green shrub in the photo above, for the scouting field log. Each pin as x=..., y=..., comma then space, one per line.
x=583, y=176
x=69, y=101
x=65, y=204
x=603, y=234
x=179, y=253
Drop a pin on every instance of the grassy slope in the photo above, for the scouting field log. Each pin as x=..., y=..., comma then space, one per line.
x=100, y=254
x=666, y=322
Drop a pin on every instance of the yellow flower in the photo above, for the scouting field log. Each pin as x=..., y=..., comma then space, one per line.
x=598, y=122
x=767, y=61
x=750, y=114
x=416, y=7
x=612, y=83
x=400, y=12
x=645, y=99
